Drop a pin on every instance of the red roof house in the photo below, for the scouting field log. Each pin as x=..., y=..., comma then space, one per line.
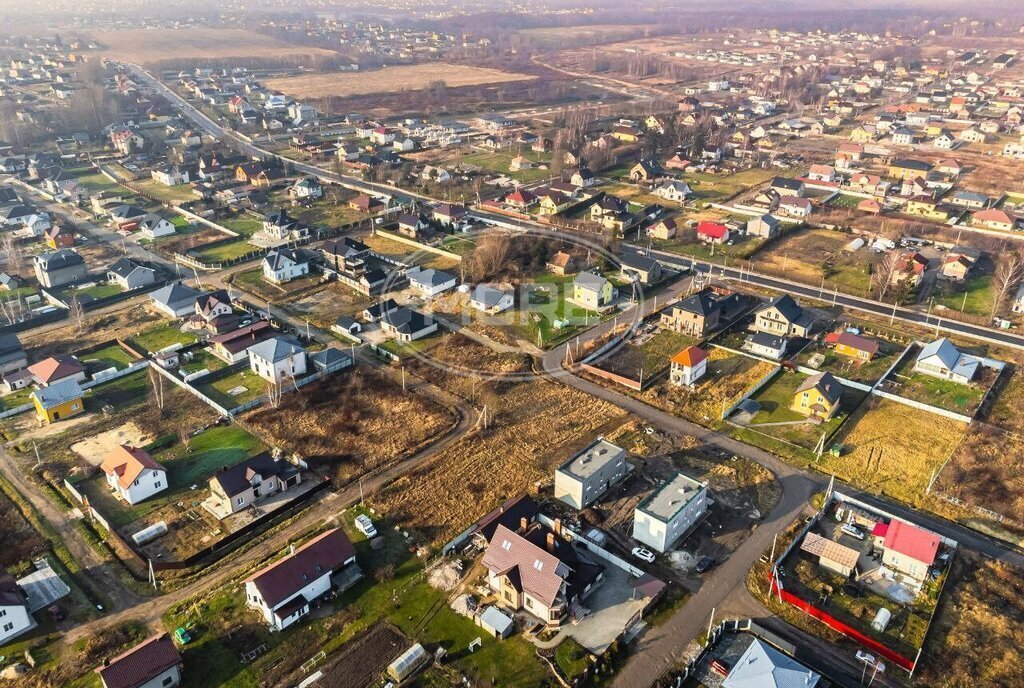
x=712, y=232
x=909, y=550
x=55, y=369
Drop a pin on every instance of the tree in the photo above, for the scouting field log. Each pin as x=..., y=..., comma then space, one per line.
x=77, y=313
x=185, y=435
x=156, y=382
x=13, y=253
x=882, y=277
x=1008, y=275
x=274, y=394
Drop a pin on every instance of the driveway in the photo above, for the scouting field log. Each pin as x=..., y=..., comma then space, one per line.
x=612, y=607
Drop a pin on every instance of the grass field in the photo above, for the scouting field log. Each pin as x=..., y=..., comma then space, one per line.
x=987, y=470
x=718, y=187
x=194, y=43
x=224, y=252
x=389, y=80
x=975, y=296
x=946, y=394
x=166, y=194
x=161, y=337
x=775, y=400
x=810, y=255
x=498, y=162
x=245, y=225
x=112, y=356
x=248, y=384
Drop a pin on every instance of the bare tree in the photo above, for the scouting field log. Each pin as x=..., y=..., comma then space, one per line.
x=490, y=256
x=1008, y=275
x=185, y=435
x=156, y=381
x=274, y=392
x=882, y=278
x=12, y=251
x=77, y=313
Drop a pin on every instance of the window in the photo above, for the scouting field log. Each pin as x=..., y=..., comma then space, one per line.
x=157, y=484
x=240, y=500
x=538, y=564
x=3, y=613
x=8, y=626
x=506, y=545
x=168, y=681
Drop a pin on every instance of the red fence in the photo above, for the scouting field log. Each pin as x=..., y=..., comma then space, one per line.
x=837, y=625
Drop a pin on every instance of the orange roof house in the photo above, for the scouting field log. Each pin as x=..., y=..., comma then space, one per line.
x=56, y=368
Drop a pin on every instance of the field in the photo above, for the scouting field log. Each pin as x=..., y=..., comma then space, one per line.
x=498, y=162
x=467, y=478
x=19, y=541
x=352, y=422
x=224, y=252
x=979, y=627
x=43, y=342
x=389, y=79
x=557, y=36
x=166, y=194
x=975, y=296
x=847, y=367
x=194, y=43
x=162, y=337
x=807, y=256
x=893, y=449
x=646, y=354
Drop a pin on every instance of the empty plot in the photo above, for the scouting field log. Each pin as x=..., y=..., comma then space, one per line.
x=390, y=80
x=154, y=45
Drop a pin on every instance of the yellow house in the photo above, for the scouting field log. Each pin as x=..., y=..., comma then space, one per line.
x=592, y=291
x=58, y=401
x=625, y=133
x=553, y=203
x=818, y=396
x=925, y=206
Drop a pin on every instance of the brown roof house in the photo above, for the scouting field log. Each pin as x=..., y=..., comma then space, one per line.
x=246, y=484
x=56, y=368
x=154, y=663
x=284, y=591
x=133, y=474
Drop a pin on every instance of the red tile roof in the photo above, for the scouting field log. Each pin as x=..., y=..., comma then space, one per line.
x=712, y=229
x=536, y=569
x=911, y=541
x=127, y=463
x=690, y=356
x=140, y=664
x=50, y=370
x=323, y=554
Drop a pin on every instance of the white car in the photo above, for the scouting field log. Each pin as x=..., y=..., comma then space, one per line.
x=643, y=554
x=365, y=526
x=853, y=531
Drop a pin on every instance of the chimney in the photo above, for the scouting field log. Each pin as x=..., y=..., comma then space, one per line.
x=524, y=523
x=291, y=548
x=556, y=526
x=551, y=542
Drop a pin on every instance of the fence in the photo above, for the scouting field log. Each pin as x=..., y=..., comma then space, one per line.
x=752, y=390
x=423, y=247
x=192, y=390
x=592, y=548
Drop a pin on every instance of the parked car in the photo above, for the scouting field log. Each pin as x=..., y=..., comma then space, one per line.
x=365, y=526
x=705, y=564
x=853, y=531
x=643, y=554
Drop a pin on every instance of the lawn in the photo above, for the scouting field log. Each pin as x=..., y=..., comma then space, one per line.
x=572, y=658
x=720, y=187
x=498, y=162
x=248, y=384
x=403, y=349
x=223, y=252
x=162, y=337
x=202, y=359
x=547, y=301
x=324, y=213
x=246, y=225
x=845, y=201
x=15, y=399
x=812, y=255
x=113, y=356
x=172, y=195
x=96, y=291
x=97, y=182
x=975, y=296
x=687, y=244
x=946, y=394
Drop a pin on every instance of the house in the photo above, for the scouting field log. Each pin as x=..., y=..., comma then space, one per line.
x=695, y=315
x=688, y=366
x=12, y=355
x=869, y=205
x=906, y=168
x=764, y=227
x=154, y=663
x=943, y=360
x=994, y=218
x=407, y=325
x=957, y=264
x=589, y=473
x=668, y=513
x=449, y=214
x=762, y=666
x=15, y=618
x=490, y=300
x=307, y=188
x=521, y=199
x=60, y=267
x=792, y=206
x=247, y=483
x=822, y=173
x=663, y=229
x=640, y=269
x=283, y=591
x=625, y=133
x=277, y=359
x=233, y=346
x=536, y=571
x=765, y=344
x=128, y=274
x=10, y=282
x=253, y=173
x=133, y=474
x=58, y=401
x=176, y=299
x=909, y=550
x=561, y=264
x=712, y=232
x=674, y=191
x=783, y=317
x=972, y=200
x=170, y=176
x=944, y=140
x=583, y=177
x=215, y=304
x=412, y=225
x=58, y=237
x=645, y=171
x=52, y=370
x=818, y=396
x=853, y=346
x=591, y=291
x=831, y=555
x=785, y=186
x=285, y=264
x=153, y=226
x=432, y=282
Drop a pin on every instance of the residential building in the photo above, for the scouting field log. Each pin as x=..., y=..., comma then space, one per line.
x=490, y=300
x=58, y=401
x=995, y=218
x=674, y=191
x=818, y=396
x=277, y=359
x=770, y=346
x=176, y=299
x=853, y=346
x=668, y=513
x=283, y=591
x=762, y=666
x=589, y=473
x=54, y=369
x=284, y=265
x=431, y=282
x=561, y=263
x=943, y=360
x=60, y=267
x=233, y=346
x=831, y=555
x=764, y=227
x=154, y=663
x=307, y=188
x=153, y=226
x=785, y=186
x=407, y=325
x=15, y=618
x=640, y=269
x=128, y=274
x=591, y=291
x=248, y=483
x=712, y=232
x=133, y=474
x=688, y=366
x=663, y=229
x=909, y=549
x=12, y=355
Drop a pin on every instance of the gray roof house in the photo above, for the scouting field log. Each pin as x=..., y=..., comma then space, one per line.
x=943, y=360
x=762, y=666
x=176, y=299
x=60, y=267
x=431, y=282
x=129, y=274
x=490, y=300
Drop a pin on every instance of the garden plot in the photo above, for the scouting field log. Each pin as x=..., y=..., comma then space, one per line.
x=962, y=398
x=646, y=353
x=323, y=307
x=813, y=255
x=823, y=357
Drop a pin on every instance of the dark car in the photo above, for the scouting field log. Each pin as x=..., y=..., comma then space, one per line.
x=704, y=564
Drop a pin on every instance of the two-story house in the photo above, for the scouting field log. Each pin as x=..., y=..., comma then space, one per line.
x=133, y=474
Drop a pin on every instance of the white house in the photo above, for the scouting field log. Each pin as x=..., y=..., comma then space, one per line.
x=432, y=282
x=674, y=191
x=283, y=265
x=909, y=550
x=306, y=188
x=176, y=300
x=669, y=512
x=277, y=359
x=170, y=176
x=688, y=366
x=491, y=300
x=283, y=591
x=14, y=616
x=133, y=474
x=943, y=360
x=589, y=473
x=152, y=226
x=154, y=663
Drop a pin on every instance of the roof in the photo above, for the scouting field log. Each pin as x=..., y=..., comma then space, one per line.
x=281, y=258
x=407, y=320
x=714, y=230
x=768, y=340
x=509, y=514
x=944, y=349
x=911, y=541
x=690, y=356
x=124, y=267
x=828, y=549
x=786, y=183
x=589, y=281
x=141, y=664
x=826, y=383
x=635, y=261
x=11, y=594
x=487, y=295
x=59, y=259
x=857, y=342
x=235, y=480
x=702, y=303
x=762, y=666
x=175, y=295
x=276, y=349
x=55, y=368
x=58, y=393
x=128, y=463
x=669, y=499
x=786, y=305
x=322, y=555
x=431, y=277
x=591, y=459
x=537, y=571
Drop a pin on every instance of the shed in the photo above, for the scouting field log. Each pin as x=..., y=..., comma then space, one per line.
x=496, y=622
x=408, y=663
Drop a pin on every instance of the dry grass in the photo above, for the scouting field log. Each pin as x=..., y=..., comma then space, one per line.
x=987, y=470
x=352, y=422
x=389, y=80
x=979, y=629
x=147, y=46
x=893, y=449
x=536, y=426
x=124, y=323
